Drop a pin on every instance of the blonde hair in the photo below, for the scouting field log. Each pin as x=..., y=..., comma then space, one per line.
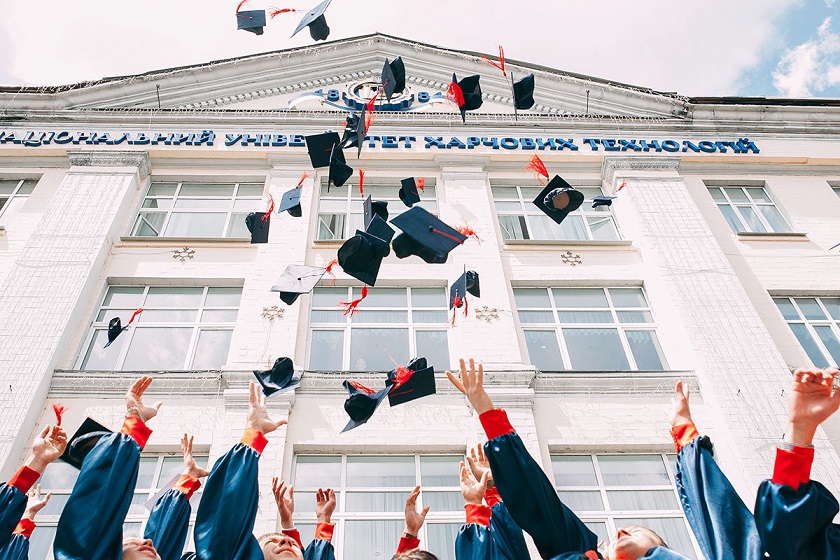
x=267, y=536
x=416, y=554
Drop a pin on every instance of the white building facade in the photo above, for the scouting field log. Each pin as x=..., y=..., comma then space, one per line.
x=714, y=265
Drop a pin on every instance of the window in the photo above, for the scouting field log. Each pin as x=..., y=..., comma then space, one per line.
x=749, y=209
x=610, y=491
x=156, y=470
x=815, y=322
x=181, y=328
x=519, y=218
x=371, y=493
x=340, y=211
x=13, y=195
x=173, y=209
x=836, y=189
x=391, y=324
x=589, y=329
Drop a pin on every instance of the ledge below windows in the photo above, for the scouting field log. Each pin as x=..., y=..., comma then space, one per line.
x=612, y=382
x=191, y=241
x=563, y=243
x=750, y=236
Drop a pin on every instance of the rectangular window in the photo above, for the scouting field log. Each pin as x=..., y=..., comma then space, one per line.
x=519, y=218
x=589, y=329
x=156, y=470
x=371, y=492
x=197, y=209
x=340, y=211
x=610, y=491
x=13, y=195
x=836, y=190
x=749, y=209
x=392, y=324
x=815, y=321
x=181, y=328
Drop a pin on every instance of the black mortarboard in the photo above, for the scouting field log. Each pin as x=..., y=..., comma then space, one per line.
x=320, y=148
x=375, y=208
x=291, y=203
x=361, y=255
x=558, y=190
x=466, y=284
x=471, y=90
x=393, y=77
x=317, y=23
x=297, y=279
x=523, y=92
x=602, y=200
x=354, y=132
x=339, y=170
x=83, y=442
x=279, y=379
x=258, y=227
x=361, y=404
x=425, y=235
x=408, y=192
x=115, y=328
x=251, y=20
x=411, y=386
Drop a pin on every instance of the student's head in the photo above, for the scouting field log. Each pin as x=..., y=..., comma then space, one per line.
x=632, y=542
x=416, y=554
x=277, y=546
x=138, y=548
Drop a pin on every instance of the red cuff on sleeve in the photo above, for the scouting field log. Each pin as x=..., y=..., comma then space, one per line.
x=407, y=544
x=684, y=434
x=478, y=514
x=793, y=467
x=188, y=484
x=25, y=527
x=324, y=531
x=254, y=439
x=495, y=423
x=492, y=497
x=24, y=478
x=137, y=430
x=295, y=534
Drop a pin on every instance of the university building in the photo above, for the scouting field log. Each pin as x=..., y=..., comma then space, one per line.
x=715, y=265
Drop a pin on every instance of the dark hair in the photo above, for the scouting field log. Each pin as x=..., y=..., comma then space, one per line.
x=416, y=554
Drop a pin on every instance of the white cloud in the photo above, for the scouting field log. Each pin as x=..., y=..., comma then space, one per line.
x=811, y=67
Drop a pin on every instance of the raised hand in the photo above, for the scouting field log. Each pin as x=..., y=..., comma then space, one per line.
x=414, y=519
x=681, y=413
x=324, y=505
x=813, y=401
x=284, y=497
x=35, y=503
x=473, y=490
x=134, y=400
x=257, y=414
x=479, y=465
x=47, y=447
x=472, y=385
x=190, y=467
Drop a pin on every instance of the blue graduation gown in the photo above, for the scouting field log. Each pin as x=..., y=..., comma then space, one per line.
x=319, y=549
x=12, y=506
x=501, y=540
x=17, y=548
x=169, y=524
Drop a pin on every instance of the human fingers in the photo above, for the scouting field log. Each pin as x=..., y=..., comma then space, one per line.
x=274, y=481
x=281, y=423
x=424, y=512
x=455, y=381
x=45, y=432
x=480, y=380
x=47, y=498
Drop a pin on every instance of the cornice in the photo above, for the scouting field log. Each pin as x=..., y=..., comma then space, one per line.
x=111, y=158
x=629, y=167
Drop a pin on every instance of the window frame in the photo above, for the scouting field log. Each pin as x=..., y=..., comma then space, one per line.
x=6, y=211
x=810, y=324
x=752, y=204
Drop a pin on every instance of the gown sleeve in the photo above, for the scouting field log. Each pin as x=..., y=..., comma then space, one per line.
x=13, y=500
x=474, y=541
x=17, y=548
x=321, y=547
x=169, y=521
x=90, y=527
x=506, y=535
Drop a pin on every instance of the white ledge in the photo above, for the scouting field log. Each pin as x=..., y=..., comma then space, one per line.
x=580, y=243
x=772, y=236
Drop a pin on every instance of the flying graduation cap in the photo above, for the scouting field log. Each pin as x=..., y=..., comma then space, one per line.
x=115, y=327
x=375, y=208
x=424, y=235
x=257, y=223
x=466, y=94
x=291, y=203
x=250, y=20
x=393, y=77
x=414, y=381
x=361, y=255
x=325, y=151
x=467, y=283
x=279, y=379
x=317, y=23
x=355, y=129
x=361, y=403
x=558, y=199
x=602, y=200
x=523, y=92
x=296, y=280
x=83, y=441
x=409, y=191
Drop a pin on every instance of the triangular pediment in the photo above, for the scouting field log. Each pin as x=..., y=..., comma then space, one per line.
x=335, y=76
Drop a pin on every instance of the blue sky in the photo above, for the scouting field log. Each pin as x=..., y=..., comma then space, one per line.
x=772, y=48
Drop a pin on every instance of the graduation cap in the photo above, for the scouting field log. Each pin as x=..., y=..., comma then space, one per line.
x=83, y=442
x=375, y=208
x=362, y=403
x=257, y=223
x=523, y=92
x=558, y=198
x=361, y=255
x=251, y=20
x=297, y=279
x=470, y=94
x=466, y=284
x=414, y=381
x=320, y=148
x=355, y=130
x=291, y=203
x=393, y=77
x=425, y=235
x=409, y=193
x=279, y=379
x=317, y=23
x=115, y=327
x=602, y=200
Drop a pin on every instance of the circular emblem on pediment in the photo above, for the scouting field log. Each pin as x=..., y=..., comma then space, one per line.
x=357, y=95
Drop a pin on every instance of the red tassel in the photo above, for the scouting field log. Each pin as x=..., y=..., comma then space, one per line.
x=268, y=212
x=350, y=306
x=421, y=183
x=282, y=11
x=369, y=109
x=455, y=94
x=467, y=231
x=538, y=167
x=137, y=312
x=303, y=178
x=239, y=6
x=359, y=387
x=623, y=184
x=501, y=64
x=403, y=375
x=362, y=182
x=330, y=266
x=443, y=233
x=59, y=412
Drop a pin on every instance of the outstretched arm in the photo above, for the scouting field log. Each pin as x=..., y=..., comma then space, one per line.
x=413, y=522
x=321, y=548
x=473, y=541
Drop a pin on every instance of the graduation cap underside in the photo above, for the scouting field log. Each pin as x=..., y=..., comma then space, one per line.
x=425, y=235
x=393, y=77
x=360, y=404
x=317, y=23
x=558, y=192
x=279, y=379
x=414, y=381
x=467, y=283
x=258, y=223
x=297, y=279
x=83, y=441
x=523, y=93
x=408, y=192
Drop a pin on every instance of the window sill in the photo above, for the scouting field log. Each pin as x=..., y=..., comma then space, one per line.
x=321, y=243
x=612, y=382
x=158, y=241
x=2, y=231
x=750, y=236
x=566, y=243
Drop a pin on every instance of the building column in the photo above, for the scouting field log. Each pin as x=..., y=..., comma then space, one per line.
x=741, y=373
x=52, y=281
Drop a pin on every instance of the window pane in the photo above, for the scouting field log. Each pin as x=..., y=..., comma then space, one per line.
x=331, y=226
x=544, y=350
x=633, y=470
x=509, y=207
x=149, y=224
x=380, y=316
x=629, y=500
x=833, y=306
x=787, y=308
x=158, y=348
x=146, y=472
x=599, y=528
x=218, y=315
x=603, y=229
x=443, y=501
x=428, y=297
x=732, y=218
x=254, y=190
x=384, y=297
x=628, y=297
x=576, y=298
x=672, y=530
x=166, y=316
x=513, y=227
x=323, y=316
x=370, y=349
x=634, y=317
x=100, y=358
x=536, y=316
x=758, y=194
x=380, y=472
x=40, y=542
x=573, y=227
x=441, y=538
x=371, y=539
x=429, y=316
x=645, y=348
x=314, y=471
x=736, y=194
x=829, y=340
x=8, y=186
x=585, y=317
x=774, y=218
x=573, y=470
x=595, y=350
x=531, y=297
x=543, y=227
x=202, y=189
x=56, y=504
x=211, y=352
x=236, y=226
x=440, y=471
x=504, y=193
x=123, y=296
x=375, y=501
x=327, y=350
x=810, y=308
x=807, y=342
x=434, y=346
x=196, y=224
x=751, y=219
x=190, y=203
x=174, y=297
x=59, y=476
x=578, y=501
x=162, y=189
x=136, y=506
x=223, y=297
x=328, y=297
